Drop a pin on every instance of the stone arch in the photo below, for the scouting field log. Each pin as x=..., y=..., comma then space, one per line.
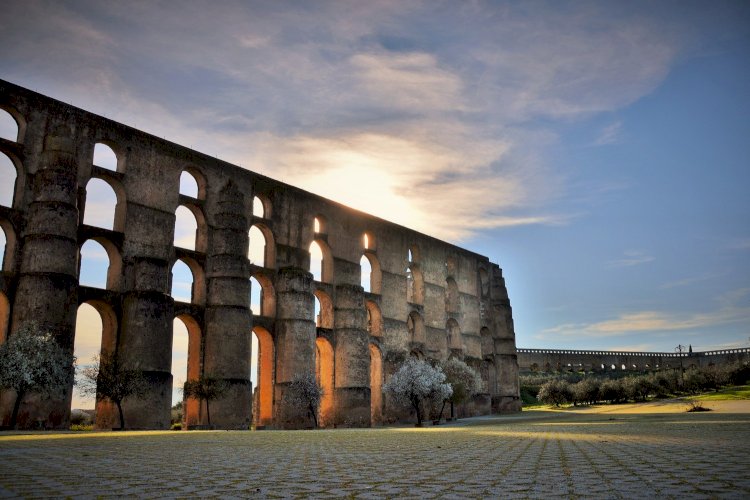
x=197, y=285
x=9, y=177
x=7, y=258
x=372, y=276
x=451, y=296
x=323, y=310
x=193, y=183
x=453, y=332
x=267, y=299
x=413, y=255
x=88, y=265
x=191, y=407
x=376, y=385
x=190, y=231
x=414, y=285
x=261, y=207
x=4, y=316
x=264, y=375
x=12, y=124
x=415, y=327
x=324, y=375
x=374, y=319
x=262, y=249
x=105, y=155
x=321, y=261
x=99, y=209
x=488, y=343
x=95, y=334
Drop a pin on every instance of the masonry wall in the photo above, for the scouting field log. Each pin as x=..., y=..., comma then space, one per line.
x=451, y=302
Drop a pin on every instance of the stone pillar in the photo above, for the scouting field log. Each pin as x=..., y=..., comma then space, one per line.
x=146, y=345
x=507, y=398
x=352, y=358
x=295, y=342
x=47, y=290
x=228, y=321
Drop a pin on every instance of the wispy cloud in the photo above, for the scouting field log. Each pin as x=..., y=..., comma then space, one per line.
x=631, y=258
x=609, y=134
x=733, y=307
x=689, y=281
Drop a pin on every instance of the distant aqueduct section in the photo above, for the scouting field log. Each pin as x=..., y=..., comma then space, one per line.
x=419, y=296
x=552, y=360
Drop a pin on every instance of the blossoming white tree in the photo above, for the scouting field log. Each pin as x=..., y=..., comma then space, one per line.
x=464, y=380
x=31, y=360
x=305, y=393
x=417, y=381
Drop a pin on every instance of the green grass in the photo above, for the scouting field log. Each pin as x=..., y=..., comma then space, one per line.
x=727, y=394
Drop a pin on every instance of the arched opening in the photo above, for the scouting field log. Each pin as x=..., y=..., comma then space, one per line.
x=188, y=185
x=4, y=316
x=262, y=296
x=414, y=285
x=374, y=319
x=8, y=176
x=256, y=296
x=320, y=225
x=371, y=275
x=368, y=241
x=97, y=268
x=324, y=376
x=8, y=126
x=415, y=327
x=451, y=296
x=261, y=375
x=488, y=345
x=105, y=157
x=185, y=228
x=183, y=282
x=186, y=356
x=7, y=246
x=103, y=207
x=260, y=208
x=450, y=266
x=95, y=334
x=321, y=262
x=262, y=250
x=376, y=385
x=323, y=310
x=454, y=334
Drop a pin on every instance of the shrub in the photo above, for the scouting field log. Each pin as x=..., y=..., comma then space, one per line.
x=586, y=391
x=613, y=391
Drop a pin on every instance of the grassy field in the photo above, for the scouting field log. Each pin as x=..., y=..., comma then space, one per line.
x=740, y=392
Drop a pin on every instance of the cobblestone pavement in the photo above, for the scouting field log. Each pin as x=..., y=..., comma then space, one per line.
x=531, y=455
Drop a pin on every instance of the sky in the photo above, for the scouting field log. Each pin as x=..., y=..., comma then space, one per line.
x=598, y=151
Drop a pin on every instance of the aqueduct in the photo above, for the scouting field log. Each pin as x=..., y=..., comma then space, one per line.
x=421, y=297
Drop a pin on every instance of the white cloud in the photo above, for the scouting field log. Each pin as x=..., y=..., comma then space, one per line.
x=631, y=258
x=733, y=307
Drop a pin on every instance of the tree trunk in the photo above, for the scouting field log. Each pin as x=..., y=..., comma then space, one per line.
x=122, y=416
x=208, y=414
x=415, y=404
x=452, y=414
x=314, y=416
x=16, y=406
x=440, y=416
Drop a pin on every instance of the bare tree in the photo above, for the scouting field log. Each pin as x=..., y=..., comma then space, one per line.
x=106, y=379
x=304, y=392
x=31, y=360
x=206, y=388
x=415, y=382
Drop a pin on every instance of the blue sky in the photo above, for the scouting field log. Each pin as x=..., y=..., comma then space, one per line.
x=598, y=151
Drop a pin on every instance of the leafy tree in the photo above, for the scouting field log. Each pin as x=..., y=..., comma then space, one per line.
x=106, y=379
x=613, y=391
x=305, y=392
x=638, y=388
x=555, y=392
x=206, y=388
x=32, y=361
x=586, y=391
x=417, y=381
x=463, y=379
